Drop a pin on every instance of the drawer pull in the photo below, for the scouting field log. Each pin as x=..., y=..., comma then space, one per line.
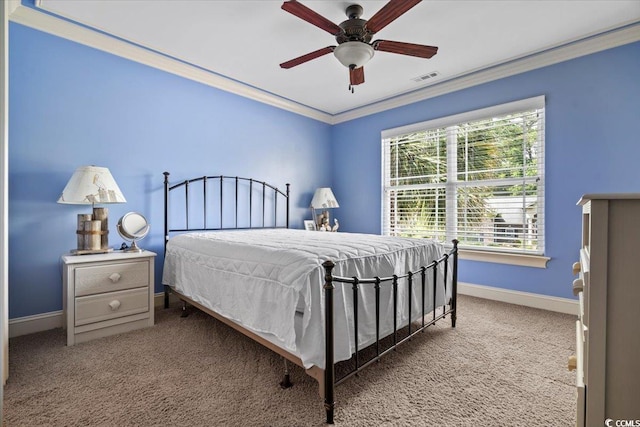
x=115, y=277
x=576, y=267
x=115, y=304
x=577, y=286
x=573, y=363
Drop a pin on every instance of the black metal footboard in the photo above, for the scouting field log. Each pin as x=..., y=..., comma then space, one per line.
x=419, y=275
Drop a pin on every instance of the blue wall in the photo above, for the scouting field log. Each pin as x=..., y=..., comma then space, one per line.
x=71, y=105
x=592, y=146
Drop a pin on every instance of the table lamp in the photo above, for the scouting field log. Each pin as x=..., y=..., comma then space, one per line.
x=91, y=185
x=324, y=199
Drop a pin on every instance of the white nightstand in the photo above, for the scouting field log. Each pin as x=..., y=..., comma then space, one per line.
x=107, y=294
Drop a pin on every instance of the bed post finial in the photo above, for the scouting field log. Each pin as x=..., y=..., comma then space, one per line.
x=329, y=368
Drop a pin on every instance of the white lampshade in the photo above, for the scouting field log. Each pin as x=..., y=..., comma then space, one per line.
x=323, y=198
x=91, y=185
x=354, y=54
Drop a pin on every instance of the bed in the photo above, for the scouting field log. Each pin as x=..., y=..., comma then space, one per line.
x=328, y=302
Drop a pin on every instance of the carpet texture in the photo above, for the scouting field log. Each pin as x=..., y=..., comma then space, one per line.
x=503, y=365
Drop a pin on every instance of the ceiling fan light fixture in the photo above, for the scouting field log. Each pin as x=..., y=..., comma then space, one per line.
x=353, y=54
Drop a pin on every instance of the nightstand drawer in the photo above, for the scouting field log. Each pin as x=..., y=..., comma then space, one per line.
x=111, y=277
x=96, y=308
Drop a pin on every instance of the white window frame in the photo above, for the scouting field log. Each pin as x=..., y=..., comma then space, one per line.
x=477, y=254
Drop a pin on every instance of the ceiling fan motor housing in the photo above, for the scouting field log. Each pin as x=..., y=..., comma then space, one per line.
x=353, y=30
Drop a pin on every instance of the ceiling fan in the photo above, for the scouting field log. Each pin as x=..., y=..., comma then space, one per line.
x=354, y=36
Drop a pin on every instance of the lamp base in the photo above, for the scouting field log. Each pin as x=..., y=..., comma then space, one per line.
x=322, y=221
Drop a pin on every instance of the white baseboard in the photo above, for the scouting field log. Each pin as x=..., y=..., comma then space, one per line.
x=158, y=299
x=43, y=322
x=37, y=323
x=544, y=302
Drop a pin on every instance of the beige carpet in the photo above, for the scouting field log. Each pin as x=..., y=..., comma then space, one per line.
x=503, y=365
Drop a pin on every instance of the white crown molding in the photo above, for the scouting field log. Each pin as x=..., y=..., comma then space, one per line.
x=77, y=33
x=12, y=5
x=573, y=50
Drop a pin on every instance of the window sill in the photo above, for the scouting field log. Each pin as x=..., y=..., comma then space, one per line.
x=537, y=261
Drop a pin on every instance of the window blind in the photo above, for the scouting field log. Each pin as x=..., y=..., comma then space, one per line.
x=476, y=177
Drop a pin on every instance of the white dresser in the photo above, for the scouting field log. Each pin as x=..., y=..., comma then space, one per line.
x=607, y=357
x=107, y=294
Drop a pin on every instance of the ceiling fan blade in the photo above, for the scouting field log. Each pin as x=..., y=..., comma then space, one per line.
x=308, y=57
x=389, y=13
x=304, y=13
x=411, y=49
x=356, y=76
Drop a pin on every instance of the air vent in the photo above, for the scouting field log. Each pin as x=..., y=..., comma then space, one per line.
x=427, y=76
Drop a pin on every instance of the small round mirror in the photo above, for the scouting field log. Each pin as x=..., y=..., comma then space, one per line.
x=133, y=227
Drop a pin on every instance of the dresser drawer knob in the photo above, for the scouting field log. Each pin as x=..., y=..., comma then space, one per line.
x=115, y=304
x=577, y=286
x=114, y=277
x=572, y=363
x=576, y=268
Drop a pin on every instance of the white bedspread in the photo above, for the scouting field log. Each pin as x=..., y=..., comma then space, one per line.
x=259, y=278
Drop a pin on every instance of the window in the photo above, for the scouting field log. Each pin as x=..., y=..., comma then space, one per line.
x=477, y=177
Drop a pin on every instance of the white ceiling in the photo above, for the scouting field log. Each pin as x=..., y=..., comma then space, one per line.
x=246, y=40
